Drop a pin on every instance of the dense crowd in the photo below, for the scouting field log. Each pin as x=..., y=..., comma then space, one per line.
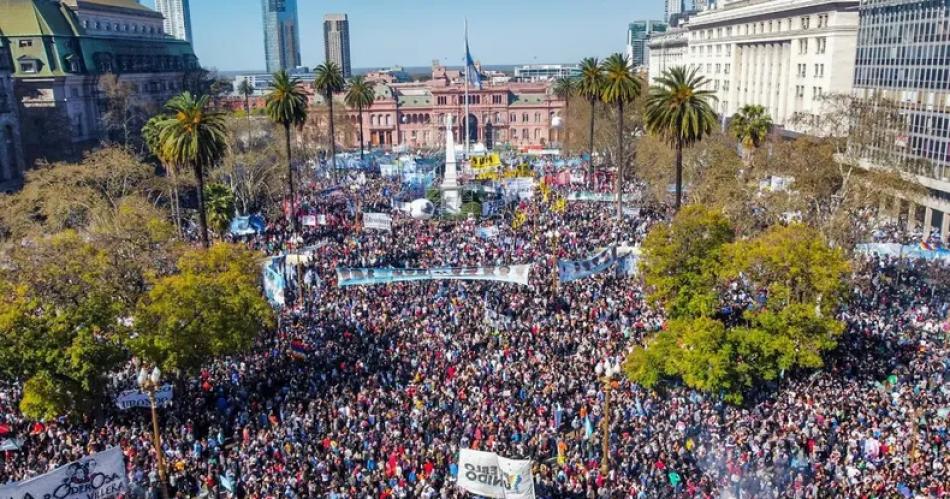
x=370, y=391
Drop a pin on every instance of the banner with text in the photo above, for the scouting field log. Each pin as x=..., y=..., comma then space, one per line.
x=490, y=475
x=517, y=274
x=572, y=270
x=136, y=398
x=99, y=476
x=600, y=197
x=378, y=221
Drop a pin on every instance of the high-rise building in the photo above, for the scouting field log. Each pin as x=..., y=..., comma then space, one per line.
x=336, y=41
x=674, y=7
x=637, y=35
x=903, y=56
x=177, y=18
x=281, y=34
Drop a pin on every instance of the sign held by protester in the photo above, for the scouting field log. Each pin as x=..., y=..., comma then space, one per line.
x=490, y=475
x=378, y=221
x=572, y=270
x=99, y=476
x=136, y=398
x=517, y=274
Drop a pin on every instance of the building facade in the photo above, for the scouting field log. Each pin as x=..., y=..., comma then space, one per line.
x=177, y=18
x=61, y=50
x=667, y=50
x=638, y=34
x=780, y=54
x=281, y=35
x=673, y=7
x=545, y=72
x=11, y=155
x=336, y=41
x=903, y=57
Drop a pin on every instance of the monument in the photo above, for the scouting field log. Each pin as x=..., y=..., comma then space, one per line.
x=451, y=198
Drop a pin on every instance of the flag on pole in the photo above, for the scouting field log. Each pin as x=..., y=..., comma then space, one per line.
x=471, y=74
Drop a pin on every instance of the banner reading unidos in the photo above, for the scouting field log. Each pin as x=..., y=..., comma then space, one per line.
x=136, y=398
x=490, y=475
x=99, y=476
x=517, y=274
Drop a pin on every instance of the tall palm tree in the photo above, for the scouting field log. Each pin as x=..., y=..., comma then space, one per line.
x=678, y=110
x=287, y=106
x=620, y=87
x=246, y=89
x=590, y=85
x=360, y=95
x=564, y=89
x=194, y=134
x=751, y=125
x=328, y=81
x=151, y=136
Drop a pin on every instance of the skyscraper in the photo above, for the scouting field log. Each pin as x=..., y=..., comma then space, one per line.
x=336, y=41
x=638, y=33
x=177, y=18
x=674, y=7
x=281, y=35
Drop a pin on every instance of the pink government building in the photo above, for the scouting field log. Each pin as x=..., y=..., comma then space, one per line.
x=521, y=115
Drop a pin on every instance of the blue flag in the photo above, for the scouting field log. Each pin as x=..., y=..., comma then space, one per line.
x=471, y=74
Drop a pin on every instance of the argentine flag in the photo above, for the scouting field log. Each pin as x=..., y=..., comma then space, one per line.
x=471, y=74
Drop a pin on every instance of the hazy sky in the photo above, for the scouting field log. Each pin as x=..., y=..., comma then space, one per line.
x=228, y=33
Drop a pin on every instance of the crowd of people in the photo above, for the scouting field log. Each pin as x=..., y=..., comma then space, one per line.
x=370, y=391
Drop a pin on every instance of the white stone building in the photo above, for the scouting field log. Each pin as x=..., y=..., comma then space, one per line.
x=667, y=50
x=781, y=54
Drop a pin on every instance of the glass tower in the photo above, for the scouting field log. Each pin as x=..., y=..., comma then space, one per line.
x=281, y=35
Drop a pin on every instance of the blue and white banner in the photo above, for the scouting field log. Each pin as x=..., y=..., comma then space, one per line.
x=244, y=226
x=600, y=197
x=910, y=251
x=99, y=476
x=491, y=207
x=572, y=270
x=490, y=475
x=137, y=398
x=487, y=232
x=517, y=274
x=274, y=282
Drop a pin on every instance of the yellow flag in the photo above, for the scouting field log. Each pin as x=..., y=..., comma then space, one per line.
x=560, y=205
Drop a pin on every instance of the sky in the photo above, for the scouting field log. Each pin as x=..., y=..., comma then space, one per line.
x=228, y=34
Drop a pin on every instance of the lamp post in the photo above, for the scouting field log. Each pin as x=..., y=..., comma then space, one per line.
x=606, y=372
x=149, y=383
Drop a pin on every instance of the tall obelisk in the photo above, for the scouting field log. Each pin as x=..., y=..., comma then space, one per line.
x=450, y=194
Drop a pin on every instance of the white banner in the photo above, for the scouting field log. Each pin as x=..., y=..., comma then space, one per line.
x=99, y=476
x=136, y=398
x=517, y=274
x=379, y=221
x=490, y=475
x=309, y=220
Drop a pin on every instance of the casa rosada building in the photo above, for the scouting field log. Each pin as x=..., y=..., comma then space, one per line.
x=521, y=115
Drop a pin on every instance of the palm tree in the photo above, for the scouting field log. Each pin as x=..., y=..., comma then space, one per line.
x=151, y=136
x=564, y=89
x=360, y=95
x=196, y=135
x=751, y=125
x=246, y=89
x=590, y=85
x=678, y=110
x=287, y=106
x=328, y=81
x=620, y=87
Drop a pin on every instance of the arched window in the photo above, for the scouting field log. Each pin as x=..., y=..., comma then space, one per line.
x=388, y=119
x=524, y=134
x=524, y=117
x=537, y=134
x=537, y=118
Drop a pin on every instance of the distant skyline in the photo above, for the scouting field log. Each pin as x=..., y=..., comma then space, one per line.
x=230, y=36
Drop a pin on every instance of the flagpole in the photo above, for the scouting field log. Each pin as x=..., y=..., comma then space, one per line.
x=466, y=88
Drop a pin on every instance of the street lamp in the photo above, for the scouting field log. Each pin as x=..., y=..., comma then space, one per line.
x=149, y=383
x=606, y=372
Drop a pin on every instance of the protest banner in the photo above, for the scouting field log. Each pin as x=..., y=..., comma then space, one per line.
x=572, y=270
x=136, y=398
x=99, y=476
x=490, y=475
x=378, y=221
x=517, y=274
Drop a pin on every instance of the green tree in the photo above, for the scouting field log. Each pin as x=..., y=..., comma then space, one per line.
x=360, y=95
x=564, y=89
x=328, y=81
x=193, y=134
x=590, y=85
x=620, y=87
x=213, y=306
x=287, y=106
x=60, y=330
x=246, y=89
x=678, y=110
x=151, y=132
x=678, y=261
x=220, y=202
x=751, y=126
